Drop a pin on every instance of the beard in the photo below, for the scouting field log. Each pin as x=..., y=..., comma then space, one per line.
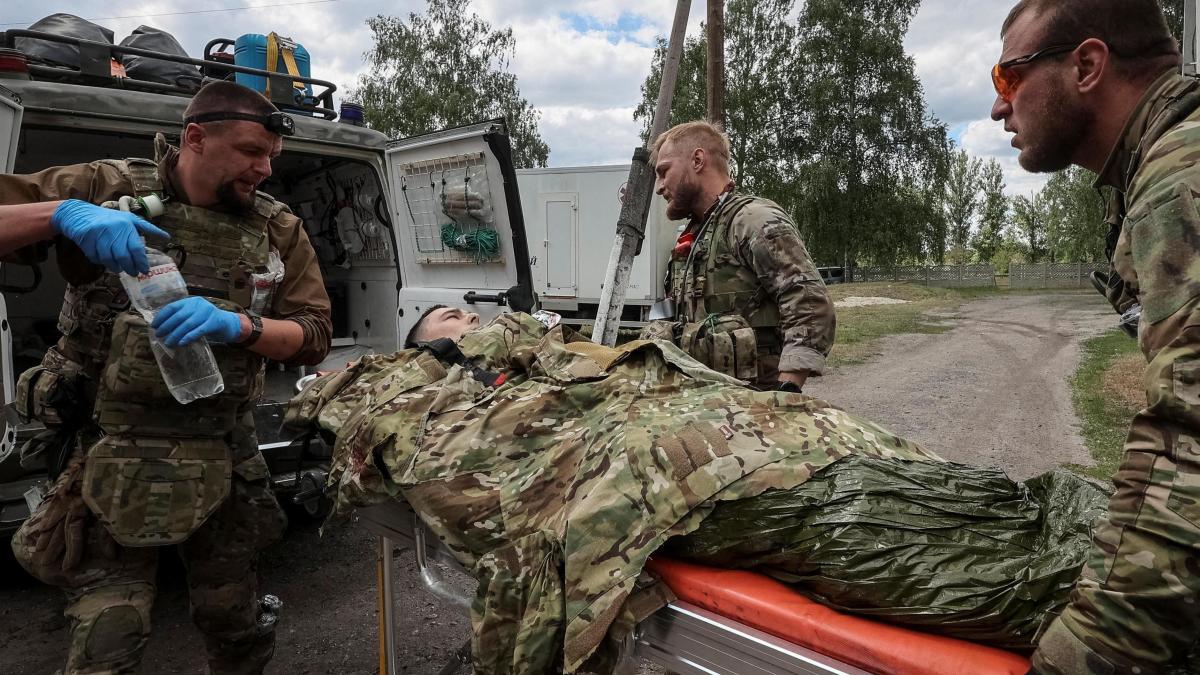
x=683, y=199
x=233, y=201
x=1052, y=139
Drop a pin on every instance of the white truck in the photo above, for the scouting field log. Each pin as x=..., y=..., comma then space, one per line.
x=570, y=219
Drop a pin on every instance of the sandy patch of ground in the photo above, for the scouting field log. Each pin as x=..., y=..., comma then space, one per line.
x=856, y=301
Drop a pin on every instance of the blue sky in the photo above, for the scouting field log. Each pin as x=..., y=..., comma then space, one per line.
x=581, y=62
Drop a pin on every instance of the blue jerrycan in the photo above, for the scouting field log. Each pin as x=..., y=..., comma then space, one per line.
x=275, y=53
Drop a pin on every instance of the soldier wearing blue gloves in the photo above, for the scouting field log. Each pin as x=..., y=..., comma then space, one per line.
x=255, y=293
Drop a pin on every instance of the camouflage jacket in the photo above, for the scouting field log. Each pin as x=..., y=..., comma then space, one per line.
x=556, y=487
x=749, y=259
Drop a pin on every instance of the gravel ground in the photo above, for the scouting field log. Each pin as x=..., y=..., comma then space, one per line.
x=991, y=391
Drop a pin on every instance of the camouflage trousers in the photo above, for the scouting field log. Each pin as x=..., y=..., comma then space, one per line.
x=111, y=591
x=1136, y=607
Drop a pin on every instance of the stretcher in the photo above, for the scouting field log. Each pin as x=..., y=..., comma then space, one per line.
x=724, y=621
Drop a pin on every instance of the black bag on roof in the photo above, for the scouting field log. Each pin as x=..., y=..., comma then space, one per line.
x=158, y=70
x=59, y=53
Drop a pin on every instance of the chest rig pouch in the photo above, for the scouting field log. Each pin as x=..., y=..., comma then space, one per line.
x=162, y=468
x=720, y=301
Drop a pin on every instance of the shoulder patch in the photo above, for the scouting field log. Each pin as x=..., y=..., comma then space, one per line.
x=1164, y=236
x=1175, y=151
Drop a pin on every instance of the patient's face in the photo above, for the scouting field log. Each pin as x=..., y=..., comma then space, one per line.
x=448, y=322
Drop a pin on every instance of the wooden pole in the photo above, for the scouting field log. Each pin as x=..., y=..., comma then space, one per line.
x=716, y=62
x=631, y=224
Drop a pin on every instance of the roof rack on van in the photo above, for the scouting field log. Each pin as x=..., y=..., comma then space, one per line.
x=95, y=59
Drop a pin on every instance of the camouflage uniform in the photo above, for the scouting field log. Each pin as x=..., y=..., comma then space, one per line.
x=145, y=471
x=749, y=265
x=555, y=488
x=1138, y=603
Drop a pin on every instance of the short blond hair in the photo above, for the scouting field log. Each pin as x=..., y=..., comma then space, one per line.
x=691, y=135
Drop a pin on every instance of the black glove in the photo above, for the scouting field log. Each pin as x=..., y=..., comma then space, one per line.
x=789, y=387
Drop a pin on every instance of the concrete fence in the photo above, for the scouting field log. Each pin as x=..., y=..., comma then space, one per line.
x=1053, y=275
x=951, y=276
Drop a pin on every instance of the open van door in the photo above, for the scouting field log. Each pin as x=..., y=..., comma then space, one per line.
x=458, y=223
x=10, y=133
x=17, y=485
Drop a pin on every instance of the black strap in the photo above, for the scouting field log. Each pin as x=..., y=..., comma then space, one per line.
x=447, y=351
x=275, y=122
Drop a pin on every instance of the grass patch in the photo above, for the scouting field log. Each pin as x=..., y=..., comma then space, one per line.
x=1107, y=391
x=859, y=329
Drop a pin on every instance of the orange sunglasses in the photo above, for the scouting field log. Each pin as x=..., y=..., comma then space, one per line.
x=1005, y=77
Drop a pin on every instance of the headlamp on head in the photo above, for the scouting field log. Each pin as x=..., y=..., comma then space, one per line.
x=276, y=122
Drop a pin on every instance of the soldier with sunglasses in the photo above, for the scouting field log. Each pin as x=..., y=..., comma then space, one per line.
x=1095, y=83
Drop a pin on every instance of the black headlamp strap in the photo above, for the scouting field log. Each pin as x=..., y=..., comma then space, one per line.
x=276, y=122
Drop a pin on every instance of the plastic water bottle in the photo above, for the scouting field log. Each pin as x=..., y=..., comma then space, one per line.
x=190, y=371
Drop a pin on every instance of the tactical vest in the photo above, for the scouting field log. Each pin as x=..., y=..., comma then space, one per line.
x=162, y=468
x=712, y=281
x=726, y=319
x=1177, y=108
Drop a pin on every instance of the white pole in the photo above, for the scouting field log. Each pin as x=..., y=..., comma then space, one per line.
x=631, y=225
x=1191, y=9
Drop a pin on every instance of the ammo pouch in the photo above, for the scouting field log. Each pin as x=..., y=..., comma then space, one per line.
x=724, y=342
x=57, y=397
x=162, y=467
x=53, y=396
x=156, y=491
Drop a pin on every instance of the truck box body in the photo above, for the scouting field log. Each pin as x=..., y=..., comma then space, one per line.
x=571, y=220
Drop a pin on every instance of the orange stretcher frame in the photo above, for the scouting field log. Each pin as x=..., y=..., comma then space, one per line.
x=772, y=607
x=724, y=621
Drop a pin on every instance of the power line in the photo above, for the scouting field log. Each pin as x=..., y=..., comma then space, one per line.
x=196, y=11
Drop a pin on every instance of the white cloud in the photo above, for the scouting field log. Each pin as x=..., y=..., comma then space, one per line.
x=582, y=62
x=580, y=136
x=987, y=139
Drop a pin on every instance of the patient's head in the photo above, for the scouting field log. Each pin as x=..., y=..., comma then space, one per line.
x=441, y=321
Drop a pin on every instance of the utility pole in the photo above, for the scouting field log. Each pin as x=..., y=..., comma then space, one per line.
x=631, y=224
x=716, y=62
x=1191, y=11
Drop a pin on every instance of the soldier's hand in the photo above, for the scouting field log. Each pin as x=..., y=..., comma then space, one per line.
x=106, y=236
x=185, y=321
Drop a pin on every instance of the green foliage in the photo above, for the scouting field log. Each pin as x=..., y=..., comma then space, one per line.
x=993, y=216
x=1029, y=217
x=828, y=119
x=1074, y=216
x=443, y=69
x=1173, y=9
x=962, y=197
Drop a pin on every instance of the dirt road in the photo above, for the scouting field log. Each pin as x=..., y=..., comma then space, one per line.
x=992, y=391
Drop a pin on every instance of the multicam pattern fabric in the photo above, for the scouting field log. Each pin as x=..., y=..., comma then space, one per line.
x=749, y=260
x=1138, y=603
x=159, y=471
x=556, y=487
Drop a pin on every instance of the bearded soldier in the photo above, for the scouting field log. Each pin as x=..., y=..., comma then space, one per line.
x=748, y=300
x=135, y=469
x=1095, y=83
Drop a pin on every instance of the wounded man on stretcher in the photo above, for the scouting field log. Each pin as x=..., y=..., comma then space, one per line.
x=552, y=468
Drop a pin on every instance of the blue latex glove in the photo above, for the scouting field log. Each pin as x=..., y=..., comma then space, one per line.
x=109, y=237
x=185, y=321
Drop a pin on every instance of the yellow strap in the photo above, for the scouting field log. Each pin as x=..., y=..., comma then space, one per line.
x=272, y=57
x=289, y=60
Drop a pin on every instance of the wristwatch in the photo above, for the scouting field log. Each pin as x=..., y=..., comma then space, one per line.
x=255, y=330
x=790, y=387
